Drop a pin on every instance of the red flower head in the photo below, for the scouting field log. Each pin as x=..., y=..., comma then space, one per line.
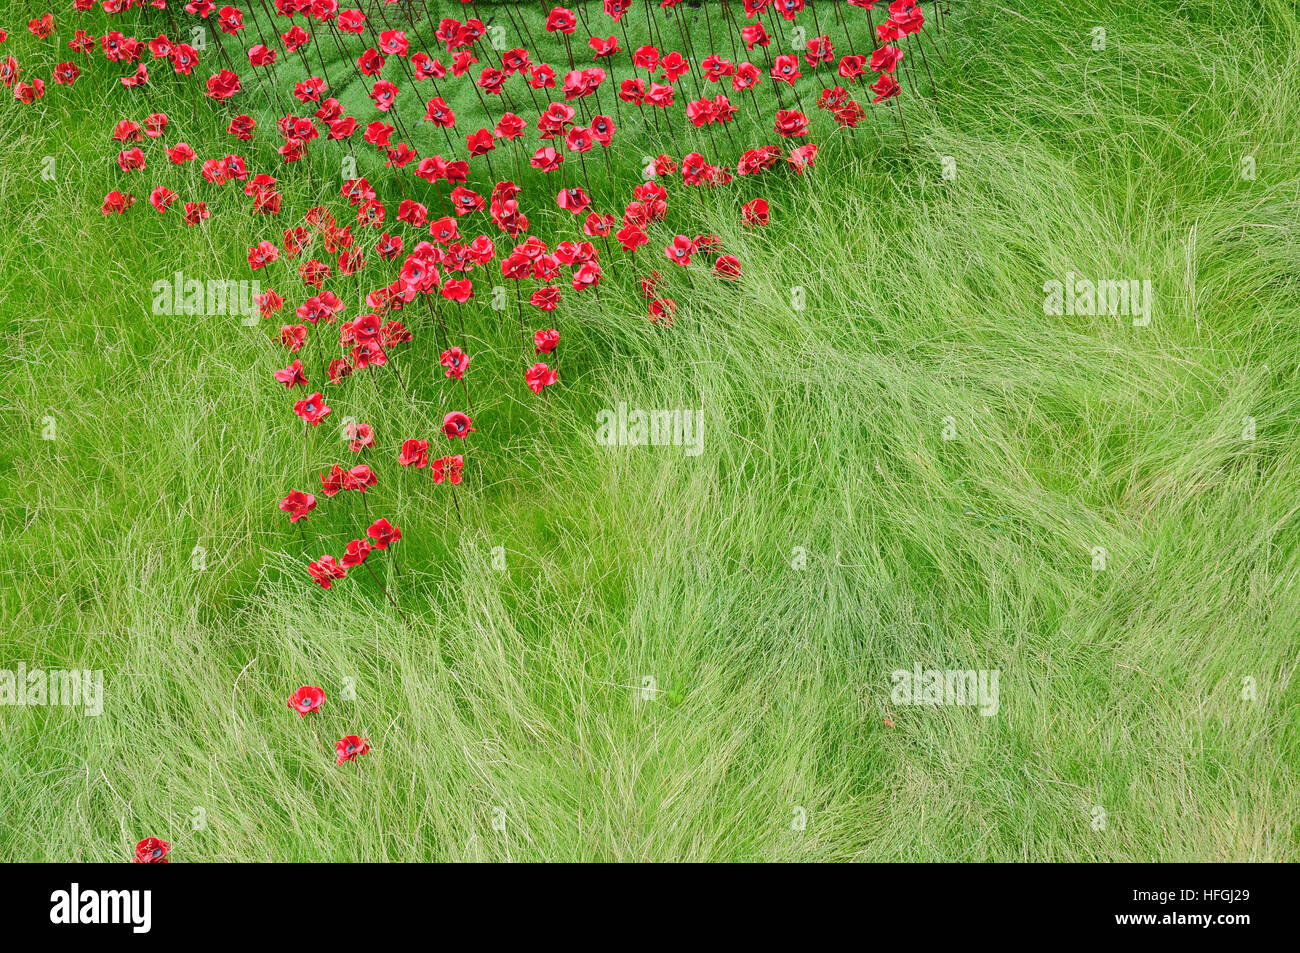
x=546, y=159
x=727, y=266
x=755, y=35
x=755, y=213
x=415, y=453
x=115, y=203
x=802, y=157
x=359, y=436
x=539, y=376
x=351, y=747
x=886, y=59
x=161, y=198
x=292, y=376
x=662, y=311
x=312, y=409
x=573, y=200
x=298, y=504
x=262, y=254
x=457, y=424
x=306, y=699
x=602, y=47
x=791, y=123
x=851, y=67
x=325, y=570
x=885, y=87
x=545, y=341
x=151, y=850
x=223, y=85
x=510, y=127
x=561, y=20
x=355, y=553
x=480, y=142
x=383, y=533
x=680, y=251
x=786, y=69
x=448, y=469
x=456, y=361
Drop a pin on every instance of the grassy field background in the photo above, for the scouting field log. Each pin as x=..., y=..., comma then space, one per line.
x=825, y=536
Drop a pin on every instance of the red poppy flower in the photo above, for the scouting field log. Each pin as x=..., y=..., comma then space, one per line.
x=359, y=478
x=727, y=266
x=298, y=504
x=457, y=289
x=370, y=62
x=456, y=361
x=355, y=553
x=680, y=250
x=325, y=570
x=510, y=127
x=312, y=408
x=746, y=76
x=561, y=20
x=426, y=66
x=755, y=35
x=359, y=436
x=181, y=153
x=448, y=469
x=296, y=38
x=464, y=201
x=383, y=533
x=786, y=69
x=41, y=27
x=539, y=376
x=151, y=850
x=886, y=59
x=851, y=67
x=350, y=21
x=415, y=453
x=262, y=254
x=292, y=376
x=885, y=87
x=306, y=699
x=351, y=747
x=339, y=368
x=850, y=114
x=457, y=424
x=819, y=49
x=602, y=47
x=184, y=58
x=546, y=159
x=791, y=123
x=161, y=198
x=223, y=85
x=632, y=91
x=802, y=157
x=662, y=310
x=755, y=213
x=546, y=341
x=293, y=336
x=195, y=212
x=115, y=203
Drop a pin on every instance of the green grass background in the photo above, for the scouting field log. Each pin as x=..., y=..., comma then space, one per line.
x=513, y=693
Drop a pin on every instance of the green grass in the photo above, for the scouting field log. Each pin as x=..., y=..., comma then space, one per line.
x=515, y=691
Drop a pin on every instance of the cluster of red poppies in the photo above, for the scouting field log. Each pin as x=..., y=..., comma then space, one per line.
x=397, y=252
